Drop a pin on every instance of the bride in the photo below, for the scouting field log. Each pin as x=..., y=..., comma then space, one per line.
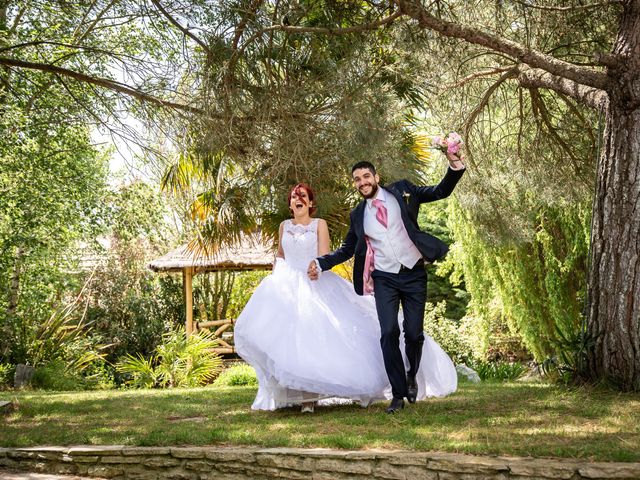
x=309, y=340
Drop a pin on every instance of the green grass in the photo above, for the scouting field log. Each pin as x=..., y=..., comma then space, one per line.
x=489, y=418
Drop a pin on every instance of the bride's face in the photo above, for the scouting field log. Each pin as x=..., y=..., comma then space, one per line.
x=299, y=203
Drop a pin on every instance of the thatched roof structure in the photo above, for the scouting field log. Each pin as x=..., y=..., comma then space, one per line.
x=250, y=254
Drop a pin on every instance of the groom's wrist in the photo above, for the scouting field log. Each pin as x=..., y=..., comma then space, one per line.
x=457, y=165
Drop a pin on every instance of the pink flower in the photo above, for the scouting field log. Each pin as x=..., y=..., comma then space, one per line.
x=439, y=142
x=449, y=144
x=454, y=142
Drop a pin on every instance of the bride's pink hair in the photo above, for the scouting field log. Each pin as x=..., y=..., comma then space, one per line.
x=297, y=189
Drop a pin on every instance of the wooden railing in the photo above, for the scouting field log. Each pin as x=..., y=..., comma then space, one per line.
x=222, y=325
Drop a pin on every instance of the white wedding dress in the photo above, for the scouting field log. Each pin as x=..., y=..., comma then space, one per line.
x=309, y=340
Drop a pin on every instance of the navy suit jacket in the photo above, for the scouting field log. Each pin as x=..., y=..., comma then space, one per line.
x=409, y=197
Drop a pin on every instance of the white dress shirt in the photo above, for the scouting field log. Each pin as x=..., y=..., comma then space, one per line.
x=392, y=246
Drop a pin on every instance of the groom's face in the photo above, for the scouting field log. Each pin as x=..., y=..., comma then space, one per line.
x=366, y=182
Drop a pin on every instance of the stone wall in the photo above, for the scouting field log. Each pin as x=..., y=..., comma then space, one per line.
x=202, y=463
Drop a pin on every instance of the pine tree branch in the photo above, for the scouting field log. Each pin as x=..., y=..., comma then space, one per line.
x=545, y=117
x=538, y=78
x=136, y=93
x=470, y=120
x=184, y=30
x=243, y=23
x=583, y=75
x=479, y=74
x=334, y=31
x=570, y=8
x=320, y=30
x=79, y=37
x=317, y=30
x=102, y=82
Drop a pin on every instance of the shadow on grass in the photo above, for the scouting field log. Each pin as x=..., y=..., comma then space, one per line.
x=500, y=418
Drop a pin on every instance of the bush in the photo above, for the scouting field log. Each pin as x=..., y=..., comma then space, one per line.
x=60, y=374
x=502, y=371
x=177, y=362
x=56, y=376
x=446, y=332
x=140, y=371
x=129, y=306
x=570, y=365
x=237, y=375
x=490, y=339
x=6, y=375
x=99, y=375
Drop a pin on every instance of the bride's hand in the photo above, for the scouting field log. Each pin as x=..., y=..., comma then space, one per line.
x=312, y=271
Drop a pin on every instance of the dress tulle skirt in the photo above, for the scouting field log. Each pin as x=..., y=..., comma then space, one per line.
x=311, y=340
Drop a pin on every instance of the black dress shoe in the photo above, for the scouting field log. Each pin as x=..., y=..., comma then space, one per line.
x=412, y=389
x=396, y=404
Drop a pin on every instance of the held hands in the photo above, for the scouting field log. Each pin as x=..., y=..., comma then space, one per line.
x=312, y=271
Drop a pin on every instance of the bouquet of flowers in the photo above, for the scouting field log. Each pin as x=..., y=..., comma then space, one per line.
x=449, y=144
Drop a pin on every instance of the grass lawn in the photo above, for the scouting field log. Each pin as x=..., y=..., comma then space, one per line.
x=490, y=418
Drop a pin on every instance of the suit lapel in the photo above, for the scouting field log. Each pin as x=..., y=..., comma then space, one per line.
x=393, y=191
x=359, y=216
x=403, y=207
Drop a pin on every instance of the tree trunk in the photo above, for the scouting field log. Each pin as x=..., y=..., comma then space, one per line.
x=614, y=283
x=8, y=329
x=4, y=71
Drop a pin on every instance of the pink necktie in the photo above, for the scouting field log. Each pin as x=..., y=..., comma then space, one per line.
x=381, y=212
x=369, y=260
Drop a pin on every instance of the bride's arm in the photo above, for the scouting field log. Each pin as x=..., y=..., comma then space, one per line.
x=280, y=252
x=323, y=238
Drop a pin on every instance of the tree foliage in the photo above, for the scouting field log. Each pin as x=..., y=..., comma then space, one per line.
x=277, y=92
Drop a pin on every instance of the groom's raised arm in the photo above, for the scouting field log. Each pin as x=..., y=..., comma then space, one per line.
x=442, y=189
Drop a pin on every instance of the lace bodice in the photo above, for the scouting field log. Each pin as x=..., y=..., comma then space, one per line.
x=300, y=243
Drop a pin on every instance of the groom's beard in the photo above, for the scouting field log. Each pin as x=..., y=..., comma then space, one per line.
x=374, y=190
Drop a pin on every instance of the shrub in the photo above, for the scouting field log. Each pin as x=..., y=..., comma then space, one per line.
x=85, y=373
x=140, y=371
x=502, y=371
x=62, y=351
x=56, y=376
x=237, y=375
x=6, y=375
x=490, y=339
x=129, y=306
x=570, y=365
x=99, y=375
x=177, y=362
x=446, y=332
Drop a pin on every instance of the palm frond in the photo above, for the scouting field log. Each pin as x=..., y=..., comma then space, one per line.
x=222, y=216
x=179, y=176
x=143, y=374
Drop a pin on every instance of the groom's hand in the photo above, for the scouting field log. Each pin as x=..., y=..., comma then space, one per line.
x=456, y=161
x=312, y=271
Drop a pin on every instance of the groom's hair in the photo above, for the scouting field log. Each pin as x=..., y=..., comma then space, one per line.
x=365, y=164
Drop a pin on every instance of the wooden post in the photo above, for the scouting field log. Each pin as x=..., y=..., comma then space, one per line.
x=187, y=276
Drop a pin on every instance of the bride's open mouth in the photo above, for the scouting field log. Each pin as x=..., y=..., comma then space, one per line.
x=299, y=205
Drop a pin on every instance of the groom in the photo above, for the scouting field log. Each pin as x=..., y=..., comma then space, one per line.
x=390, y=250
